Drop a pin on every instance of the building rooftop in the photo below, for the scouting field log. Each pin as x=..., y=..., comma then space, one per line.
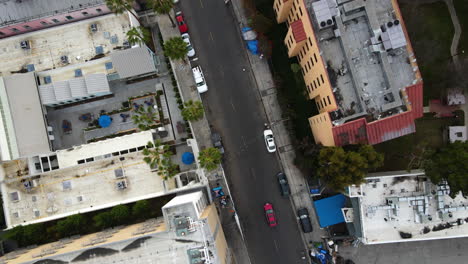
x=86, y=187
x=407, y=207
x=19, y=114
x=365, y=50
x=61, y=46
x=153, y=241
x=14, y=11
x=457, y=133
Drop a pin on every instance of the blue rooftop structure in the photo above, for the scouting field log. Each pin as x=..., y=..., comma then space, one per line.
x=104, y=121
x=329, y=210
x=188, y=158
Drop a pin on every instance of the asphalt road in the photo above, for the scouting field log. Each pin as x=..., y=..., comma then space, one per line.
x=234, y=109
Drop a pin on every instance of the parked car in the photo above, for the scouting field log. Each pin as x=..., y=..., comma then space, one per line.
x=270, y=215
x=183, y=28
x=304, y=219
x=199, y=79
x=175, y=1
x=186, y=38
x=269, y=140
x=283, y=183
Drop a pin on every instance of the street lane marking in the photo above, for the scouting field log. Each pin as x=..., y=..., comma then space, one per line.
x=201, y=3
x=276, y=245
x=211, y=35
x=233, y=107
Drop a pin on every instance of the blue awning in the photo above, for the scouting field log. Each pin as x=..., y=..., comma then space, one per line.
x=329, y=210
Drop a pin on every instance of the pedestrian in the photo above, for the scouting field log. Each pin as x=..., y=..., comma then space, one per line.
x=261, y=56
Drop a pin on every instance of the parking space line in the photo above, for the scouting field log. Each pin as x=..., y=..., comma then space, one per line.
x=211, y=36
x=201, y=3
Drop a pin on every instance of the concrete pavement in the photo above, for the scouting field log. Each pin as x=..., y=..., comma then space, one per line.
x=264, y=81
x=202, y=133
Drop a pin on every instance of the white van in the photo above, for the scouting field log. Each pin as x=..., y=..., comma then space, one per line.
x=199, y=79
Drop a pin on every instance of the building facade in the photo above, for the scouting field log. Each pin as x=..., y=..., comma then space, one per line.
x=358, y=66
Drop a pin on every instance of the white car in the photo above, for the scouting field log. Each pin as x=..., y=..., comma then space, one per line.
x=186, y=38
x=269, y=140
x=199, y=79
x=175, y=1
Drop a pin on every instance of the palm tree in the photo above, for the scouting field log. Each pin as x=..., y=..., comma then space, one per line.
x=175, y=48
x=120, y=6
x=163, y=7
x=158, y=155
x=210, y=158
x=192, y=111
x=138, y=35
x=144, y=118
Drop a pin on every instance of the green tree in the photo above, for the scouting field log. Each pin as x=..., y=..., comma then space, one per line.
x=72, y=225
x=163, y=7
x=15, y=234
x=141, y=209
x=339, y=168
x=210, y=158
x=34, y=234
x=121, y=6
x=145, y=117
x=449, y=163
x=175, y=48
x=138, y=35
x=103, y=220
x=261, y=23
x=158, y=155
x=192, y=111
x=120, y=214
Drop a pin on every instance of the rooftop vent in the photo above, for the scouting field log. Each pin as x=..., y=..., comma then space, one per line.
x=396, y=22
x=64, y=59
x=121, y=185
x=25, y=44
x=93, y=27
x=390, y=24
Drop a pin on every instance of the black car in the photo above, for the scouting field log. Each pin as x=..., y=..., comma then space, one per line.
x=283, y=183
x=304, y=219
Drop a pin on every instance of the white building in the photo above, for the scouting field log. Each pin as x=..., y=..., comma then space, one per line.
x=400, y=207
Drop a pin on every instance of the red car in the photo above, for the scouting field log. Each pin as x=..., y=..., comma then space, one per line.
x=270, y=215
x=183, y=28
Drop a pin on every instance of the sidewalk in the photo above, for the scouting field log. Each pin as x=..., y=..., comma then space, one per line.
x=263, y=77
x=202, y=133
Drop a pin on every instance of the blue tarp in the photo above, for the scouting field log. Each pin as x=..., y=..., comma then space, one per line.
x=188, y=158
x=252, y=45
x=329, y=210
x=104, y=121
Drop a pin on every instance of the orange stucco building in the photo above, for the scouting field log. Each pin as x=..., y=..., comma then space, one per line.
x=358, y=66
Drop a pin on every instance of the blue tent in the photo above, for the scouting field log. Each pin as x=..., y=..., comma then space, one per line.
x=329, y=210
x=104, y=121
x=188, y=158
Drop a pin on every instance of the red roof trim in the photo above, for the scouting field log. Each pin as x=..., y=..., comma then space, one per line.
x=359, y=131
x=298, y=31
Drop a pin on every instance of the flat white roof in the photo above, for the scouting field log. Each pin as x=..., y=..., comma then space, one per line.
x=29, y=130
x=408, y=204
x=79, y=189
x=101, y=149
x=75, y=40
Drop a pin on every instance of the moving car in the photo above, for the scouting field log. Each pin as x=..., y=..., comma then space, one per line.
x=283, y=183
x=269, y=140
x=186, y=38
x=304, y=219
x=199, y=79
x=217, y=142
x=183, y=28
x=270, y=215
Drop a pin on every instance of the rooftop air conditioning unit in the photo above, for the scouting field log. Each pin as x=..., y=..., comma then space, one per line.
x=64, y=59
x=25, y=44
x=94, y=28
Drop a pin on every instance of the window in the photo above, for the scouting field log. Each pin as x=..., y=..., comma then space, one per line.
x=300, y=11
x=99, y=10
x=315, y=57
x=318, y=81
x=307, y=46
x=315, y=85
x=27, y=27
x=308, y=88
x=312, y=61
x=15, y=30
x=85, y=13
x=14, y=196
x=329, y=101
x=44, y=23
x=81, y=161
x=90, y=159
x=36, y=213
x=324, y=102
x=310, y=41
x=302, y=70
x=69, y=17
x=308, y=64
x=66, y=185
x=109, y=65
x=321, y=77
x=78, y=73
x=55, y=20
